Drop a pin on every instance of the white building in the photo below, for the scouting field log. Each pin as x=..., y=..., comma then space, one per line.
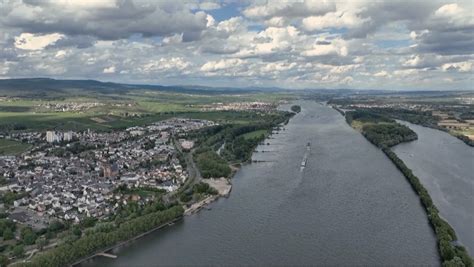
x=68, y=136
x=52, y=137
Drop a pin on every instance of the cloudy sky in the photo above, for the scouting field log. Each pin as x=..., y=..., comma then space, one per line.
x=366, y=44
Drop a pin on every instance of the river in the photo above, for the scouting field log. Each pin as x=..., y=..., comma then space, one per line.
x=445, y=166
x=349, y=206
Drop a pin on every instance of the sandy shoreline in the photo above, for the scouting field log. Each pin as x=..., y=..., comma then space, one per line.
x=223, y=187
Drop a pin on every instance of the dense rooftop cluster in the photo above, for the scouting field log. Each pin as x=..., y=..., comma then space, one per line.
x=78, y=179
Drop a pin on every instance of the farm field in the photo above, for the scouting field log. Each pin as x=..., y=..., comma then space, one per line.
x=107, y=111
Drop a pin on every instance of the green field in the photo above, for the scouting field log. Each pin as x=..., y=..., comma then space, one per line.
x=78, y=121
x=12, y=148
x=255, y=134
x=137, y=107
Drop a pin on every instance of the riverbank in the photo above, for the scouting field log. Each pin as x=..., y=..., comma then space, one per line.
x=223, y=185
x=106, y=250
x=450, y=251
x=386, y=133
x=448, y=169
x=102, y=239
x=333, y=213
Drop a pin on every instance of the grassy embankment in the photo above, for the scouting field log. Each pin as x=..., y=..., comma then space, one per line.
x=385, y=133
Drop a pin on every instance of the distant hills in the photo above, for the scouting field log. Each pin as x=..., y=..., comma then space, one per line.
x=53, y=88
x=46, y=87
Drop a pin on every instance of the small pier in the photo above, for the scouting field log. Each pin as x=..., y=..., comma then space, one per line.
x=108, y=255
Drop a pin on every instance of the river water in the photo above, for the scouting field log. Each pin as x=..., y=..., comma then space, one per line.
x=445, y=166
x=349, y=206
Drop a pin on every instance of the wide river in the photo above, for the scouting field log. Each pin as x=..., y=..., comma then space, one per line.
x=445, y=166
x=349, y=206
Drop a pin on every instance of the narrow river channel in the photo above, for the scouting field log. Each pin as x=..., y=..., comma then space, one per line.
x=445, y=166
x=348, y=206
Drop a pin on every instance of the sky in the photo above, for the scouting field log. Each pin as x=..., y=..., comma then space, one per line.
x=294, y=44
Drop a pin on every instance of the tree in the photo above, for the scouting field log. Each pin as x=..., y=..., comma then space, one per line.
x=28, y=236
x=41, y=242
x=455, y=262
x=18, y=251
x=76, y=231
x=56, y=226
x=8, y=234
x=446, y=250
x=88, y=222
x=3, y=260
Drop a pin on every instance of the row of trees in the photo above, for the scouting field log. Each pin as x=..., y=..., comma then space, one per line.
x=88, y=244
x=389, y=133
x=424, y=118
x=366, y=116
x=451, y=254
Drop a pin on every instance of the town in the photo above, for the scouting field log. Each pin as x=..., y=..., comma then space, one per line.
x=239, y=106
x=71, y=176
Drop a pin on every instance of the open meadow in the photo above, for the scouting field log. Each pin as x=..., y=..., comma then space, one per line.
x=104, y=111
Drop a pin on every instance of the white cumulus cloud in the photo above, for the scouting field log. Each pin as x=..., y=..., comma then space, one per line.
x=29, y=41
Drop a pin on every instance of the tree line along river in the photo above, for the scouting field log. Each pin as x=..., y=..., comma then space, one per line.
x=348, y=206
x=445, y=166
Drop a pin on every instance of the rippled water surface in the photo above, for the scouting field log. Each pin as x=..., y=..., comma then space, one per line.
x=350, y=205
x=445, y=166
